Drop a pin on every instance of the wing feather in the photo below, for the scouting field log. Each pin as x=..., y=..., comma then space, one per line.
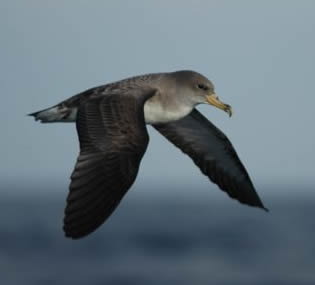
x=113, y=139
x=214, y=154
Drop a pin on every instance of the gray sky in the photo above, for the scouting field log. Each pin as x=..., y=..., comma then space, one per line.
x=259, y=54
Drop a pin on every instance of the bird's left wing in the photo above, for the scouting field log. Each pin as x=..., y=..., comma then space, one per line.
x=213, y=153
x=113, y=138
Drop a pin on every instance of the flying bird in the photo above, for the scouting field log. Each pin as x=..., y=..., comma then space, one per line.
x=111, y=124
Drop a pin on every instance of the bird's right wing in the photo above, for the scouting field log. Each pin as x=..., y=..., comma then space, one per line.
x=113, y=138
x=213, y=153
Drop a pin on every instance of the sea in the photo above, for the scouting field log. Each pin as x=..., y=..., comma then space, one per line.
x=161, y=239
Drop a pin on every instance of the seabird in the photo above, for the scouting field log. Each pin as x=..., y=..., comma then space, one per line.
x=111, y=124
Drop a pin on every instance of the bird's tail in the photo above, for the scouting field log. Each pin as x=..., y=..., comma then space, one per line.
x=58, y=113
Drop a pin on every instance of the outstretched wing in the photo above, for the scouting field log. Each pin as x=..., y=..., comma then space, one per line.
x=213, y=153
x=113, y=138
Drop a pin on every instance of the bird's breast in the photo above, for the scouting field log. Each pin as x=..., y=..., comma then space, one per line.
x=155, y=113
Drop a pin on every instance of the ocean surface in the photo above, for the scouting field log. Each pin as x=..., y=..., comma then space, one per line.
x=166, y=239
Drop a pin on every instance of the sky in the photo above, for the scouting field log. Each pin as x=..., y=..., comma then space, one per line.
x=259, y=54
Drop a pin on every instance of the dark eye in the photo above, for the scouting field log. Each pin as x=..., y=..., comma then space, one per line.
x=203, y=87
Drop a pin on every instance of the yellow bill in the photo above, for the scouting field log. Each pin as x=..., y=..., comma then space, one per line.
x=213, y=99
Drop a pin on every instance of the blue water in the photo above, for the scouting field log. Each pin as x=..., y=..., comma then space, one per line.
x=161, y=240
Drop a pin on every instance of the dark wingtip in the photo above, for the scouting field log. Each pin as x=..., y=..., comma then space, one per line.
x=75, y=235
x=253, y=202
x=71, y=236
x=68, y=234
x=265, y=209
x=260, y=205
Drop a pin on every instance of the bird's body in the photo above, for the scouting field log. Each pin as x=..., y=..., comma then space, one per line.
x=160, y=109
x=111, y=121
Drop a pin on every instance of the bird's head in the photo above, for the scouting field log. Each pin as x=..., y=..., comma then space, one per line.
x=201, y=89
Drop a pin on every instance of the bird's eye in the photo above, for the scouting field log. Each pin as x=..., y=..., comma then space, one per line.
x=203, y=87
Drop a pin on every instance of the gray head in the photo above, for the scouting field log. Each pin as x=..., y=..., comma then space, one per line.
x=198, y=88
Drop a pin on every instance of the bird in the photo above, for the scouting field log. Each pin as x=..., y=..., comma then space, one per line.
x=111, y=124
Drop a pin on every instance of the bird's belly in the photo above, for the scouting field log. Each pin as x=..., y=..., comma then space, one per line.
x=155, y=113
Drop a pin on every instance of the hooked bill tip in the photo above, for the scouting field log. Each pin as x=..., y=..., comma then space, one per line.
x=229, y=110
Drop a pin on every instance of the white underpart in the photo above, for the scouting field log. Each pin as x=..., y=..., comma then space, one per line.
x=155, y=113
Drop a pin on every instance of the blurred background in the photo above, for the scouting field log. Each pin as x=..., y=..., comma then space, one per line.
x=173, y=227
